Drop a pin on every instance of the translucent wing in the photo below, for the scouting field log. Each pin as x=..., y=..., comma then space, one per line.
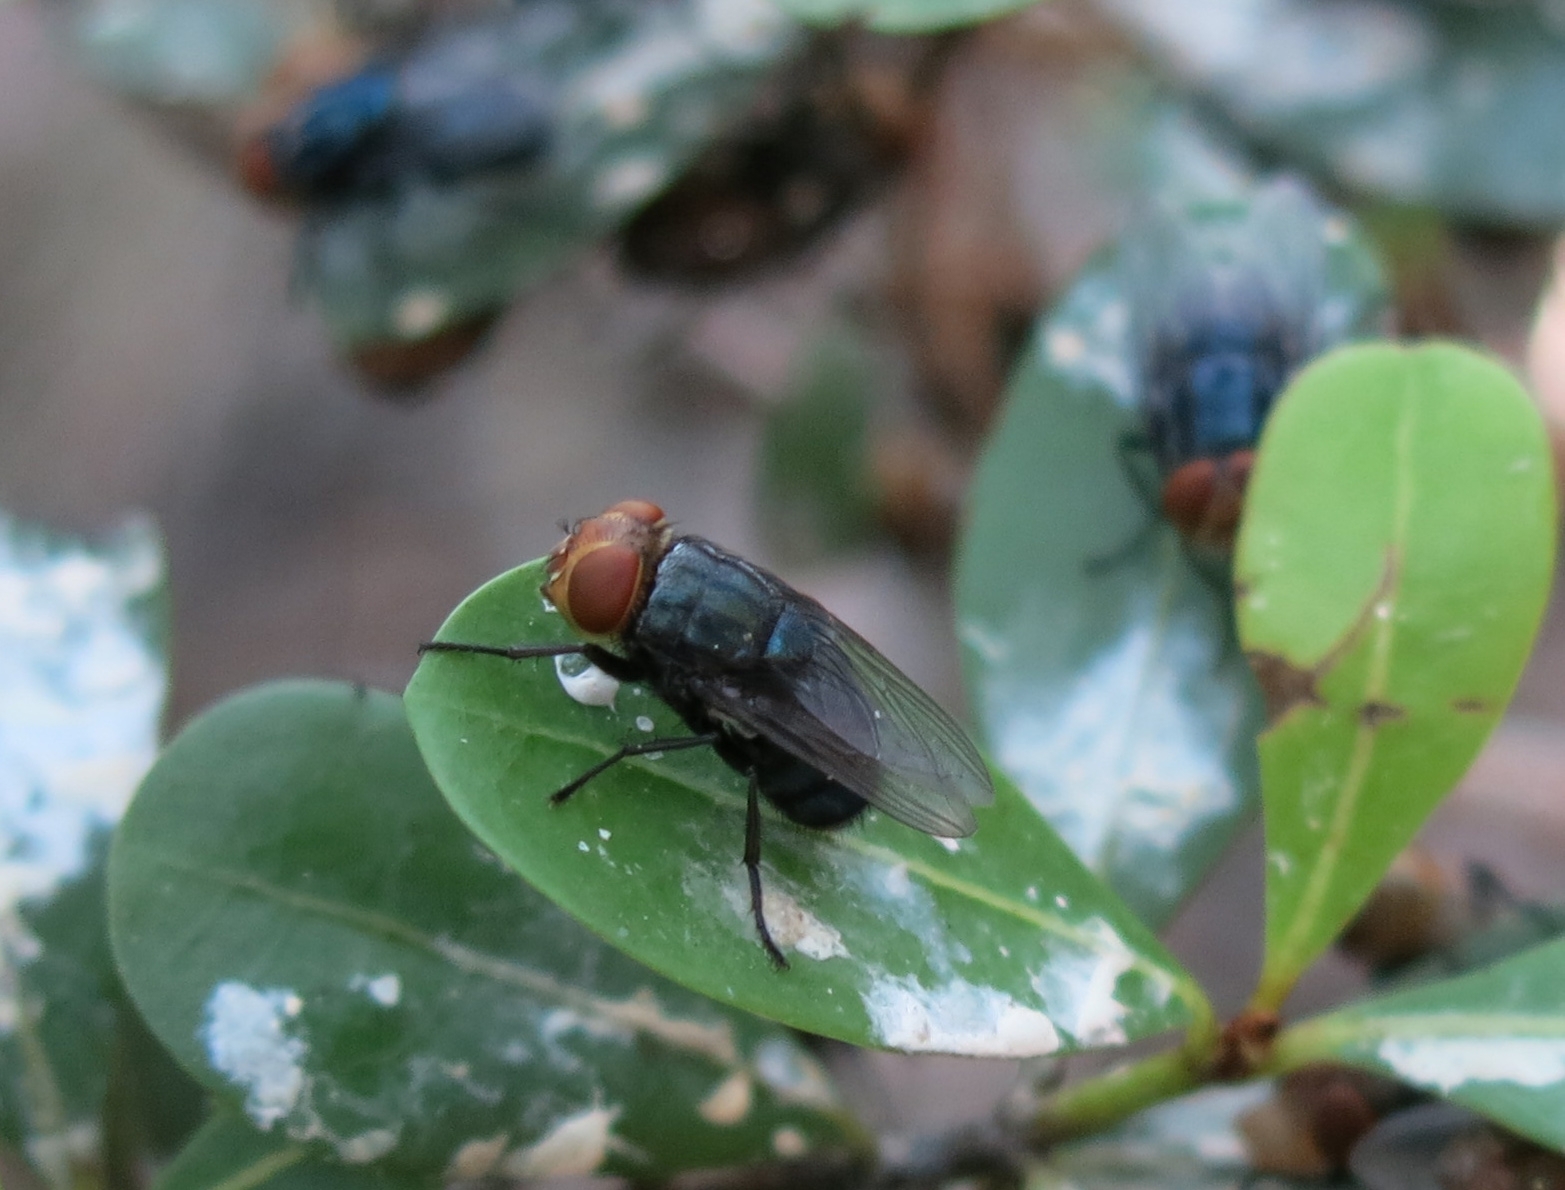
x=828, y=697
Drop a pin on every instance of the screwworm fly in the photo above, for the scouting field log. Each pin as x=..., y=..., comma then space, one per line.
x=786, y=694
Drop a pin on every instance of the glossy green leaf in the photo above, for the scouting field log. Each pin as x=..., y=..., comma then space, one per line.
x=902, y=16
x=998, y=945
x=815, y=496
x=315, y=936
x=230, y=1153
x=1453, y=106
x=1396, y=554
x=1493, y=1041
x=1112, y=690
x=82, y=679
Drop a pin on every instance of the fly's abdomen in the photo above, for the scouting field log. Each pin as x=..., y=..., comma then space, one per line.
x=801, y=792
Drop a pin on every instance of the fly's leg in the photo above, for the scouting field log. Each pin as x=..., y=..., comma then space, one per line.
x=640, y=748
x=1132, y=444
x=509, y=652
x=752, y=863
x=1138, y=541
x=617, y=667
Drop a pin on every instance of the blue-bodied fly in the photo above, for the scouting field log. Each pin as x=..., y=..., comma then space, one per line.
x=786, y=694
x=1224, y=311
x=450, y=108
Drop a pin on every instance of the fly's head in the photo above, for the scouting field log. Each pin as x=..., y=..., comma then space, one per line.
x=600, y=574
x=1204, y=498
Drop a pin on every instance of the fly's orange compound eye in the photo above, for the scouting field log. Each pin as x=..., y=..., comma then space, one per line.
x=257, y=170
x=1188, y=492
x=601, y=588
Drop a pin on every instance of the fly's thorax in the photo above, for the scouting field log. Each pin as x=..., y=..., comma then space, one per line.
x=1214, y=363
x=709, y=609
x=601, y=575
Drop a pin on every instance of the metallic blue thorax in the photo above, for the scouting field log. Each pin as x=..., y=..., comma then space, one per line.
x=1219, y=380
x=325, y=132
x=705, y=601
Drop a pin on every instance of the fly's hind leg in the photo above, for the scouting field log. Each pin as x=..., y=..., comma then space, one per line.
x=752, y=863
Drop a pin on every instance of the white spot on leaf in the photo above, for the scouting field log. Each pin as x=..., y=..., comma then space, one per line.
x=1079, y=982
x=574, y=1146
x=477, y=1158
x=248, y=1044
x=420, y=312
x=792, y=1075
x=80, y=692
x=729, y=1101
x=796, y=928
x=1446, y=1063
x=789, y=1142
x=957, y=1018
x=367, y=1146
x=385, y=990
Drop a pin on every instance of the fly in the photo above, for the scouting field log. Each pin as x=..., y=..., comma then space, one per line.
x=816, y=720
x=450, y=108
x=1225, y=309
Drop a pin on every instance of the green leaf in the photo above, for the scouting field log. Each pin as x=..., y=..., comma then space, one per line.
x=814, y=492
x=82, y=679
x=1189, y=1143
x=230, y=1153
x=1396, y=554
x=1493, y=1041
x=997, y=945
x=902, y=16
x=1112, y=692
x=314, y=935
x=1446, y=105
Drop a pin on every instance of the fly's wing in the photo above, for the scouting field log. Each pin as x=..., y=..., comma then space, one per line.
x=829, y=698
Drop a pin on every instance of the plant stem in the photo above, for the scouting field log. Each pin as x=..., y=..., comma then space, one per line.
x=1098, y=1102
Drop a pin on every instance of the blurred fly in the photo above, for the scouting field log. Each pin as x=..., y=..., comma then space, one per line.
x=786, y=694
x=1225, y=309
x=452, y=106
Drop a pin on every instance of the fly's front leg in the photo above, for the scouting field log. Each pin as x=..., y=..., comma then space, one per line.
x=509, y=652
x=619, y=668
x=1131, y=445
x=641, y=748
x=752, y=863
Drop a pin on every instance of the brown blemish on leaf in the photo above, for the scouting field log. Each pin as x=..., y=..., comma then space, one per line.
x=1283, y=684
x=1374, y=714
x=1286, y=684
x=1470, y=706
